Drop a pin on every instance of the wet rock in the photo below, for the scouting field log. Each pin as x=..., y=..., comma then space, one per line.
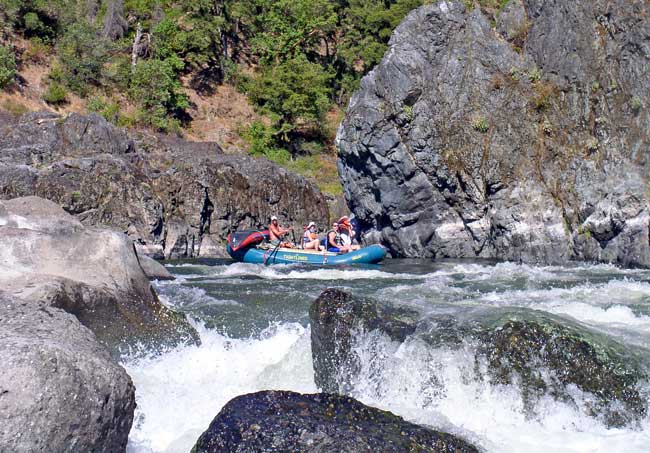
x=517, y=142
x=172, y=197
x=59, y=389
x=542, y=354
x=153, y=269
x=46, y=255
x=287, y=421
x=334, y=317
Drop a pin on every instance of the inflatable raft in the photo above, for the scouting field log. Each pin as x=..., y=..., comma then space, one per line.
x=248, y=247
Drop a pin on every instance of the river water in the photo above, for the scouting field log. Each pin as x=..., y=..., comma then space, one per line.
x=254, y=326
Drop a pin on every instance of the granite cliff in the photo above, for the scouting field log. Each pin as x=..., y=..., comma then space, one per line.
x=521, y=139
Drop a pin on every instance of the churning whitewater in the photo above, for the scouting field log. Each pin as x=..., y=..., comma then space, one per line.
x=254, y=326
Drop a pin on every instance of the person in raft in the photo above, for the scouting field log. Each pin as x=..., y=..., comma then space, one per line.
x=310, y=238
x=333, y=240
x=347, y=233
x=277, y=233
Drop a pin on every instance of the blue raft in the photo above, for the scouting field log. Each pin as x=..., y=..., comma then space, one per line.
x=246, y=250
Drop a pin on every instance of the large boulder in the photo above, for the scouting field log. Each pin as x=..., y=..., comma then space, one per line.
x=59, y=389
x=523, y=141
x=48, y=255
x=542, y=354
x=287, y=421
x=172, y=197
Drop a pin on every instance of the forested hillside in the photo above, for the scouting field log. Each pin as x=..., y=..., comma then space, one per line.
x=296, y=60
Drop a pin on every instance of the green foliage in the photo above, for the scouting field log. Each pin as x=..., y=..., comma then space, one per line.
x=105, y=107
x=155, y=86
x=295, y=93
x=302, y=58
x=408, y=113
x=82, y=54
x=262, y=139
x=56, y=94
x=636, y=103
x=37, y=51
x=7, y=66
x=480, y=124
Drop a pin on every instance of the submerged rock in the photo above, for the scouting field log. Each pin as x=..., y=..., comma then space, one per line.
x=59, y=389
x=542, y=354
x=286, y=421
x=524, y=142
x=46, y=255
x=172, y=197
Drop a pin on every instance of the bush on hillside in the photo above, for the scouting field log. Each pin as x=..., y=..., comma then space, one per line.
x=7, y=66
x=82, y=53
x=56, y=94
x=155, y=86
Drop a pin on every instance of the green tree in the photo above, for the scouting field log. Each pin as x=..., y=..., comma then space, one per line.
x=155, y=86
x=7, y=66
x=82, y=53
x=295, y=93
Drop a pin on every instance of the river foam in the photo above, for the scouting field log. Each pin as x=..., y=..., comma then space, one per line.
x=179, y=392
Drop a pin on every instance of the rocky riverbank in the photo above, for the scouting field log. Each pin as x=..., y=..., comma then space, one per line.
x=525, y=139
x=48, y=256
x=172, y=197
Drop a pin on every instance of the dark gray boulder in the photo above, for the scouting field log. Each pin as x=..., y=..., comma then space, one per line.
x=524, y=142
x=172, y=197
x=286, y=421
x=47, y=255
x=59, y=389
x=542, y=354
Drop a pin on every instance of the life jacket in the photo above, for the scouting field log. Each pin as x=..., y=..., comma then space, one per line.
x=308, y=236
x=337, y=239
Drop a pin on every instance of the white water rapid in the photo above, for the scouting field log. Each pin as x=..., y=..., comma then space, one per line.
x=253, y=323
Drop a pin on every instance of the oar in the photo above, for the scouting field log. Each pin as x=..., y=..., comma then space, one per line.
x=266, y=262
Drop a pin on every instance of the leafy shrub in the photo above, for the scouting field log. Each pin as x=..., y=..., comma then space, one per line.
x=56, y=94
x=7, y=66
x=636, y=103
x=37, y=51
x=480, y=124
x=295, y=92
x=155, y=87
x=105, y=107
x=82, y=54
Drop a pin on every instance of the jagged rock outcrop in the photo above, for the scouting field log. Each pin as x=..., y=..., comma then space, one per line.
x=48, y=256
x=174, y=198
x=286, y=421
x=542, y=354
x=527, y=141
x=59, y=389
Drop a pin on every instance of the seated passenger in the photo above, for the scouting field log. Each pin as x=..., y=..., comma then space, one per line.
x=347, y=234
x=277, y=233
x=333, y=241
x=310, y=238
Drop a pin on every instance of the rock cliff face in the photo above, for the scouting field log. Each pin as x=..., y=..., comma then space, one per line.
x=59, y=389
x=174, y=198
x=523, y=140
